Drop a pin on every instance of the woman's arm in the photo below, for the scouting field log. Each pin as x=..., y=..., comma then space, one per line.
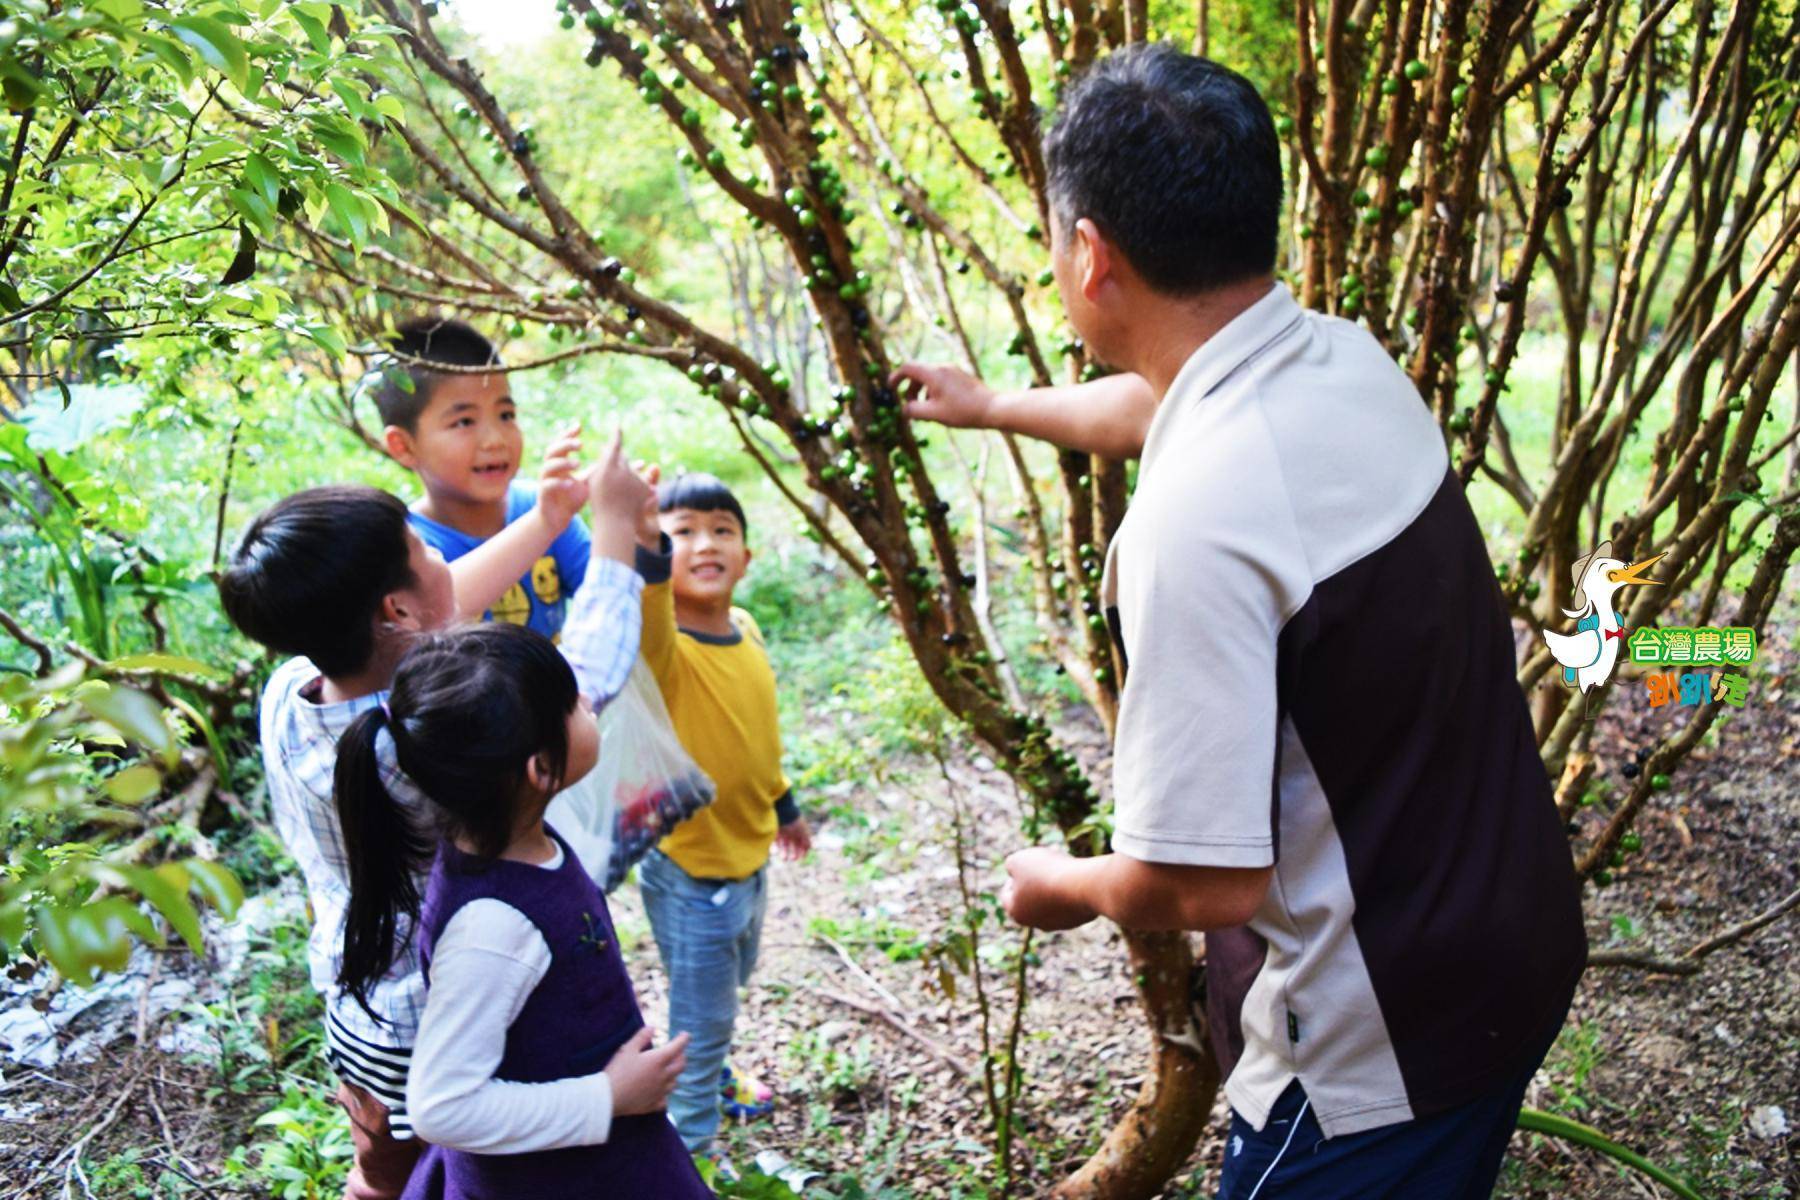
x=1108, y=417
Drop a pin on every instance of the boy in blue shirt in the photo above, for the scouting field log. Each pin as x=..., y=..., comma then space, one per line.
x=458, y=431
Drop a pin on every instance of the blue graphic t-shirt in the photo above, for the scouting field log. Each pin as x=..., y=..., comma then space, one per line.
x=541, y=597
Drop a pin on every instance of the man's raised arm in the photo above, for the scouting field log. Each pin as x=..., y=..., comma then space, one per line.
x=1108, y=417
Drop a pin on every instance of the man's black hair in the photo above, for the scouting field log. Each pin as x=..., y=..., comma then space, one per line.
x=1175, y=159
x=310, y=573
x=700, y=492
x=433, y=339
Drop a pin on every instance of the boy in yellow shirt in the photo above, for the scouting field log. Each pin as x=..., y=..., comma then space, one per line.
x=705, y=887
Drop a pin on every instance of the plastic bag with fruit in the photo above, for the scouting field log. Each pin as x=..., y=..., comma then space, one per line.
x=644, y=785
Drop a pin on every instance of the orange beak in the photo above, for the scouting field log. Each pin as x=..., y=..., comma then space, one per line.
x=1631, y=574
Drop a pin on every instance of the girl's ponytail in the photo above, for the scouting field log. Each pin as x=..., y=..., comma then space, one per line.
x=383, y=851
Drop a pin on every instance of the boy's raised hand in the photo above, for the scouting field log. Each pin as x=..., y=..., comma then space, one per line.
x=562, y=487
x=618, y=495
x=642, y=1076
x=649, y=529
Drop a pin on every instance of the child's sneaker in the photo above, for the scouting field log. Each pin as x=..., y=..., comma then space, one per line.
x=745, y=1096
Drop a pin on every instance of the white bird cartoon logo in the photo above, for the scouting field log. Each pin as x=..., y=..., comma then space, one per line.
x=1589, y=655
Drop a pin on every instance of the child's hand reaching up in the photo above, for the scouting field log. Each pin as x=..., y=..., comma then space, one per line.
x=619, y=495
x=561, y=489
x=649, y=529
x=642, y=1076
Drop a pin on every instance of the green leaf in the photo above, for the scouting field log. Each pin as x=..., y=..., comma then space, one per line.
x=173, y=664
x=261, y=175
x=134, y=715
x=12, y=925
x=327, y=339
x=134, y=785
x=172, y=53
x=55, y=935
x=313, y=27
x=218, y=885
x=217, y=46
x=347, y=211
x=166, y=888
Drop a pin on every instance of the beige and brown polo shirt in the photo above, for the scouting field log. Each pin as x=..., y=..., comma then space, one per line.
x=1321, y=679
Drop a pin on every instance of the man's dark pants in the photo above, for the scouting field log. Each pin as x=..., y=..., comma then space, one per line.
x=1452, y=1155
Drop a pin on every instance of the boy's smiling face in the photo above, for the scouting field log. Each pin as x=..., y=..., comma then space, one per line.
x=466, y=444
x=710, y=554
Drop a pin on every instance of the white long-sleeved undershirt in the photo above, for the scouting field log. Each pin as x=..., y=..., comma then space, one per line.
x=483, y=968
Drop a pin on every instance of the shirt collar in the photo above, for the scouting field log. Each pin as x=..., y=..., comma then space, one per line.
x=1217, y=357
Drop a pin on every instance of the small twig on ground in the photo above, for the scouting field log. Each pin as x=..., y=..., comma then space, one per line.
x=855, y=969
x=71, y=1154
x=1688, y=963
x=932, y=1046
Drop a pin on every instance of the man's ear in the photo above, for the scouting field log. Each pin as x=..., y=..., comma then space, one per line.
x=1093, y=259
x=748, y=555
x=399, y=445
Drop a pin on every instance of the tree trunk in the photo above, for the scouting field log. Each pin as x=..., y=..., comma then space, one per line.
x=1160, y=1129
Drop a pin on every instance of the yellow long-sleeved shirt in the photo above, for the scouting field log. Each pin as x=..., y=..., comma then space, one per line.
x=721, y=696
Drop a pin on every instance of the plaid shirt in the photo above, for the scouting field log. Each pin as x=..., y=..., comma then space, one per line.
x=299, y=744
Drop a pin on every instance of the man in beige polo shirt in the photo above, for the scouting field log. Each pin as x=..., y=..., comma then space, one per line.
x=1322, y=754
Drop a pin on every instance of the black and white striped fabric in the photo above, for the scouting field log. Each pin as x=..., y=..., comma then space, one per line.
x=379, y=1070
x=1321, y=679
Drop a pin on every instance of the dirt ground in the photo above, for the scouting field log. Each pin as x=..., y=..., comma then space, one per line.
x=878, y=1070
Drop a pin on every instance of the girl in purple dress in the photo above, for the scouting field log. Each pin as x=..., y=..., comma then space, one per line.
x=533, y=1077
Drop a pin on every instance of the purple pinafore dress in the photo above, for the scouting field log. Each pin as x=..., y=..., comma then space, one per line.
x=578, y=1015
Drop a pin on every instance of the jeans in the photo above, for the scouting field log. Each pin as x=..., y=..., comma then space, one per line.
x=708, y=934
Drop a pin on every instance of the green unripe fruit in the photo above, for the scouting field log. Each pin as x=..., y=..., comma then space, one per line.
x=1307, y=231
x=1459, y=423
x=1470, y=333
x=1458, y=94
x=1602, y=878
x=690, y=118
x=795, y=197
x=1631, y=843
x=1360, y=197
x=1405, y=209
x=1377, y=157
x=715, y=159
x=807, y=218
x=1416, y=70
x=1371, y=216
x=1494, y=378
x=627, y=276
x=1284, y=125
x=635, y=338
x=1046, y=277
x=1390, y=86
x=791, y=93
x=1659, y=782
x=568, y=21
